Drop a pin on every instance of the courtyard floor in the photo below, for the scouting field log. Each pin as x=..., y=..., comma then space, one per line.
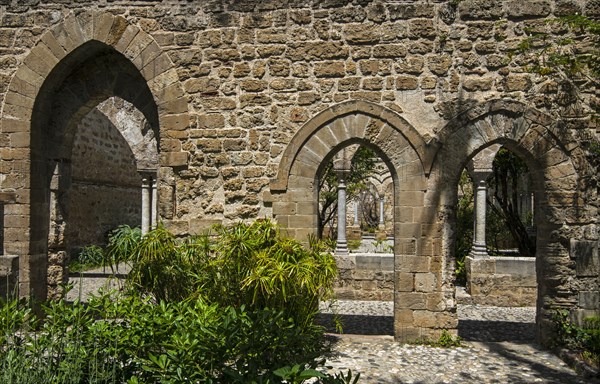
x=498, y=345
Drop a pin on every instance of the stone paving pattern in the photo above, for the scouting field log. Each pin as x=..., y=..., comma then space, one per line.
x=498, y=348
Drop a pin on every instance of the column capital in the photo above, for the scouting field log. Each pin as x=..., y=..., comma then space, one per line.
x=480, y=175
x=148, y=172
x=342, y=174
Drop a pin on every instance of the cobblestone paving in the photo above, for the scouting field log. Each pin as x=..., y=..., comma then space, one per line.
x=498, y=348
x=498, y=345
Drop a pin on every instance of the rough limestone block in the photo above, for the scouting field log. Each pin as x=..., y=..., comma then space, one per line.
x=516, y=266
x=411, y=300
x=585, y=254
x=404, y=282
x=174, y=159
x=425, y=319
x=589, y=300
x=425, y=282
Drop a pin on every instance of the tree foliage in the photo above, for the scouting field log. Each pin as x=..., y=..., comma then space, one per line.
x=464, y=226
x=363, y=163
x=572, y=63
x=235, y=305
x=248, y=265
x=507, y=182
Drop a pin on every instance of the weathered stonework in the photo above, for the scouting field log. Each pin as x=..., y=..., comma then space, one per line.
x=365, y=277
x=503, y=281
x=246, y=99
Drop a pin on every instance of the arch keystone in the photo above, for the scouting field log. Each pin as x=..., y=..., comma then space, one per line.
x=103, y=23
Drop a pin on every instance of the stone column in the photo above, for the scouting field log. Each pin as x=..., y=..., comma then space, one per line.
x=479, y=248
x=146, y=197
x=342, y=245
x=154, y=203
x=149, y=199
x=355, y=213
x=381, y=212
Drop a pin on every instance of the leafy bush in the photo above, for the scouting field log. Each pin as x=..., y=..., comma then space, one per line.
x=91, y=255
x=232, y=306
x=244, y=264
x=584, y=339
x=119, y=338
x=446, y=340
x=300, y=374
x=354, y=244
x=122, y=242
x=464, y=227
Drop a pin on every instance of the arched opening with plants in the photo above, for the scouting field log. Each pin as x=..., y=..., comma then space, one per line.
x=333, y=137
x=552, y=181
x=494, y=246
x=351, y=200
x=106, y=199
x=77, y=202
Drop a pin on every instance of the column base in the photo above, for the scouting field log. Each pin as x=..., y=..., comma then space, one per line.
x=478, y=251
x=341, y=249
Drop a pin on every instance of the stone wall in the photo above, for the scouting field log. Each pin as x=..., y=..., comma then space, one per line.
x=365, y=277
x=106, y=186
x=502, y=281
x=247, y=98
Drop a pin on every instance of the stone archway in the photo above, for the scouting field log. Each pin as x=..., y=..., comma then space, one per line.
x=50, y=92
x=561, y=212
x=420, y=308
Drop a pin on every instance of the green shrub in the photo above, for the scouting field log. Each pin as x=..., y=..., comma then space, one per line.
x=354, y=244
x=585, y=338
x=464, y=227
x=88, y=257
x=130, y=338
x=446, y=340
x=231, y=306
x=300, y=374
x=122, y=242
x=91, y=255
x=242, y=264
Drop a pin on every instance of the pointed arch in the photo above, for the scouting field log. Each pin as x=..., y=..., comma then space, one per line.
x=362, y=112
x=56, y=64
x=550, y=156
x=408, y=157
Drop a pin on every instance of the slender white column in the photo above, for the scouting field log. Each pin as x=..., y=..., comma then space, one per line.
x=479, y=246
x=146, y=195
x=342, y=245
x=355, y=213
x=154, y=204
x=381, y=211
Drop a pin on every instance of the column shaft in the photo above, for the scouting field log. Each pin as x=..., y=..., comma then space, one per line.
x=381, y=211
x=146, y=213
x=479, y=245
x=342, y=245
x=154, y=204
